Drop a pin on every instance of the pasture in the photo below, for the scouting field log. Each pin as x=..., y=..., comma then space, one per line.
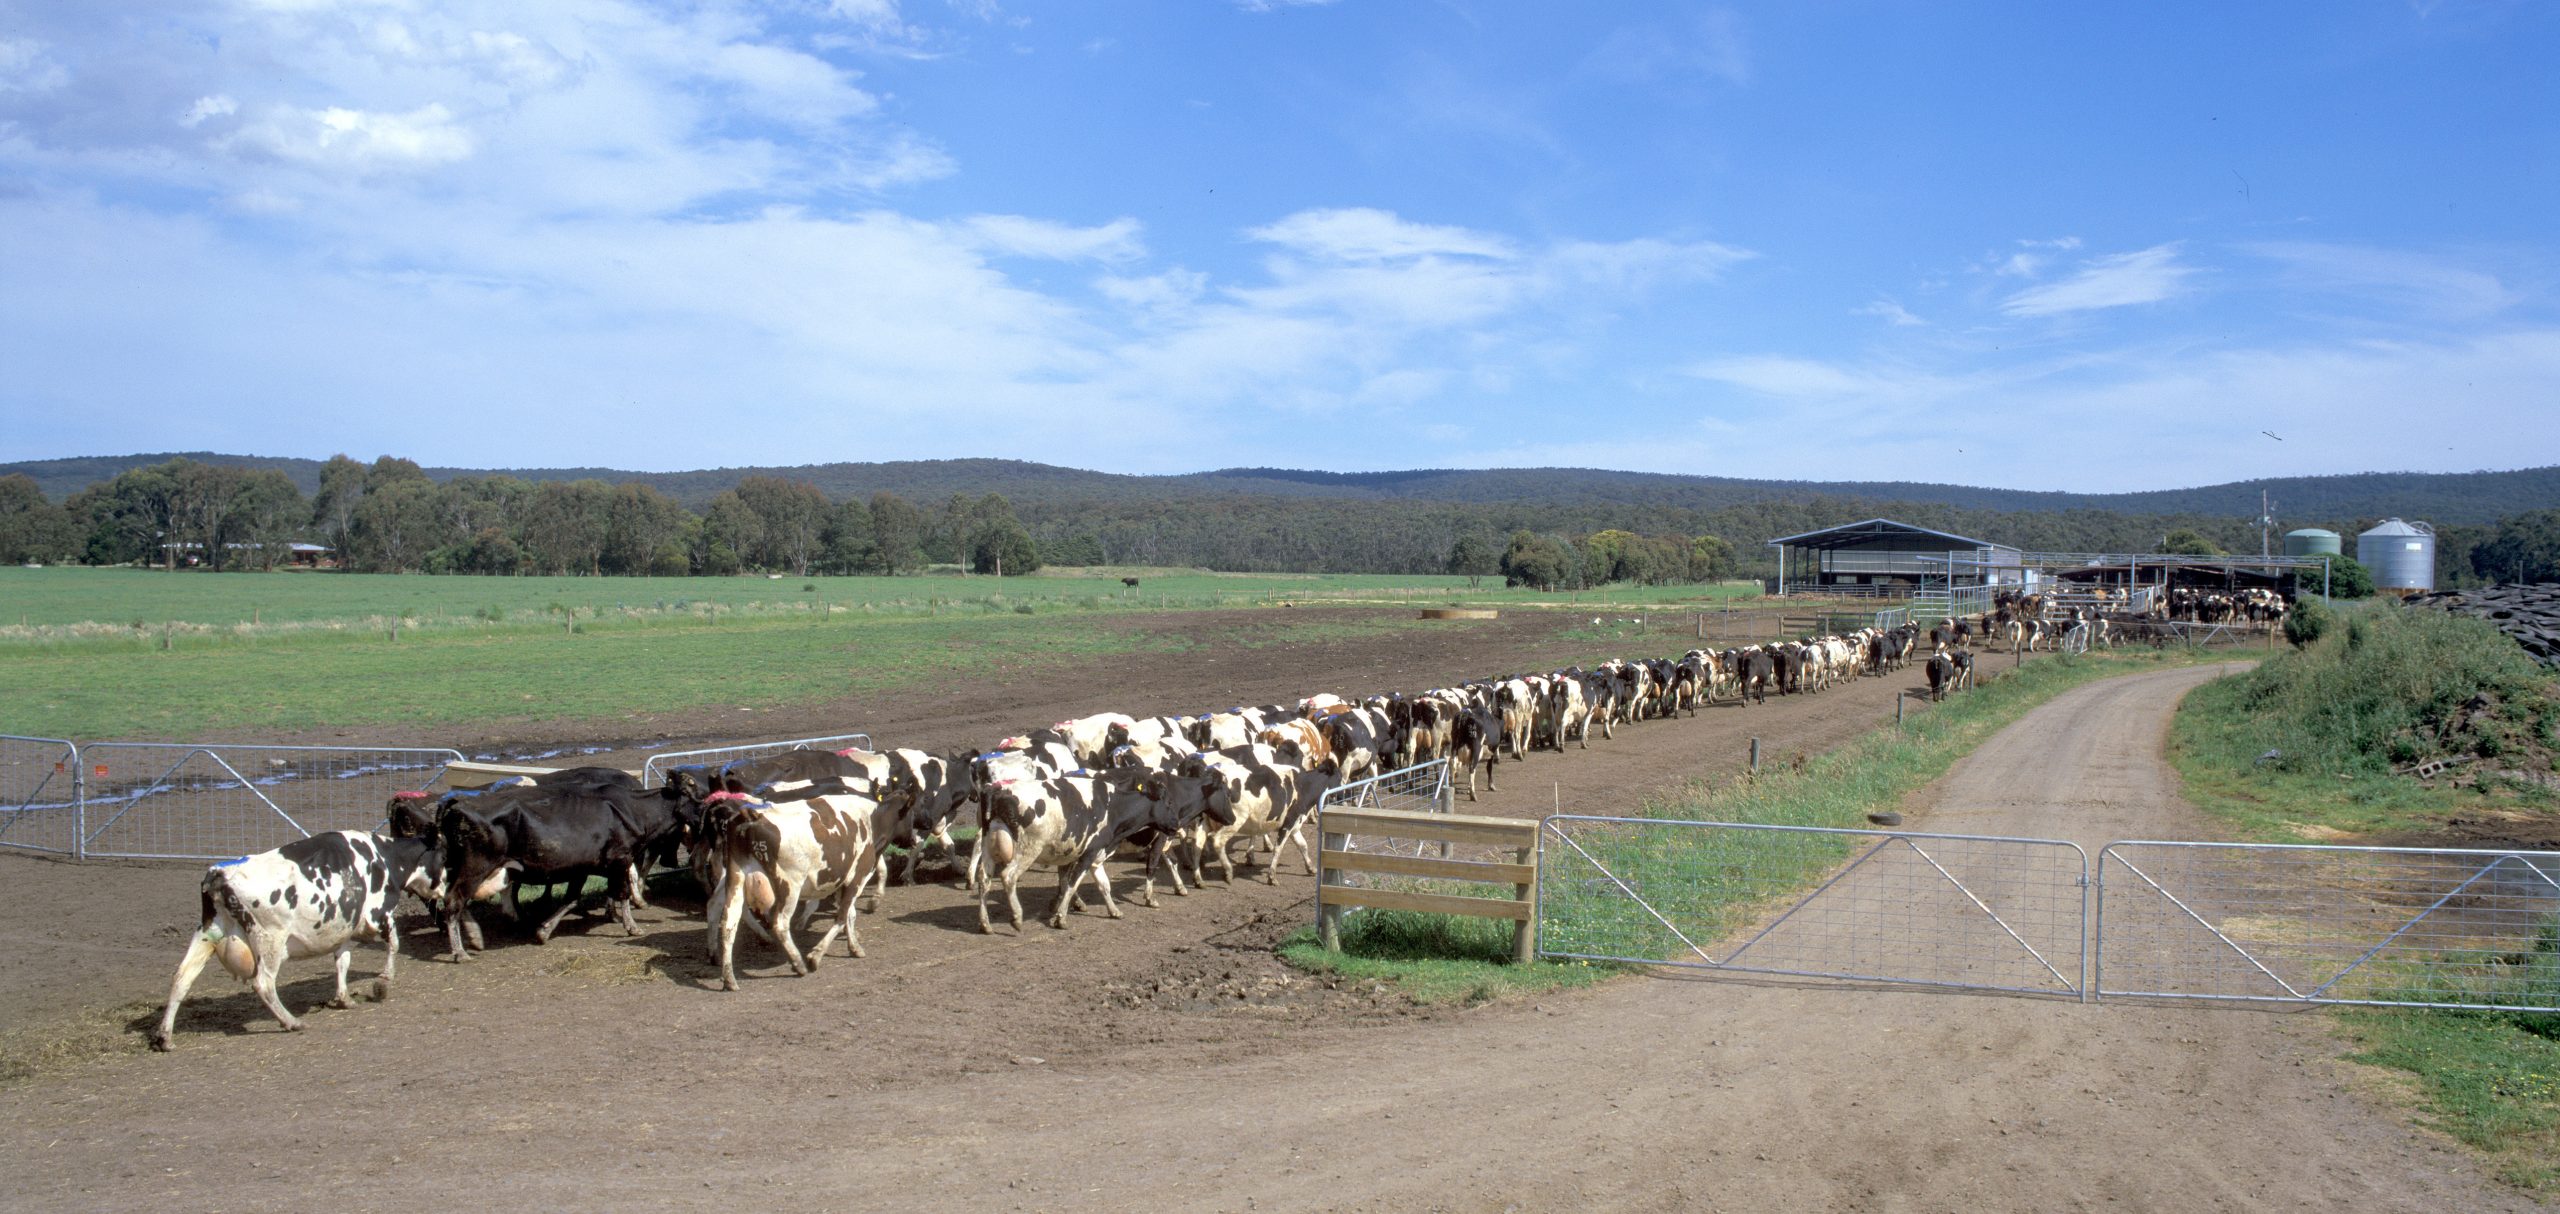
x=130, y=653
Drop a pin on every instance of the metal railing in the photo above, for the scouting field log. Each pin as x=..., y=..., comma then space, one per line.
x=2300, y=923
x=209, y=801
x=1421, y=788
x=653, y=770
x=1965, y=911
x=40, y=795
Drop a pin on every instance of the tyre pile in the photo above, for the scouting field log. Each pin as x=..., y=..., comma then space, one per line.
x=2528, y=613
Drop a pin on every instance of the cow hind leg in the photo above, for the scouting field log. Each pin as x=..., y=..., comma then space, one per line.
x=199, y=951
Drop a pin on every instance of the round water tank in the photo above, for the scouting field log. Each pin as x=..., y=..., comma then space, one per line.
x=2402, y=556
x=2312, y=541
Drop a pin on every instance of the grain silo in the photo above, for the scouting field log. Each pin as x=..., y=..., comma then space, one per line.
x=2313, y=541
x=2401, y=556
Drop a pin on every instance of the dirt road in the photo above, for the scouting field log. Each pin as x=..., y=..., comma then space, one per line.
x=1161, y=1062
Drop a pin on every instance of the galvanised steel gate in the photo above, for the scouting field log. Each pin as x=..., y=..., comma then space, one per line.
x=1970, y=911
x=40, y=795
x=653, y=770
x=190, y=801
x=2276, y=923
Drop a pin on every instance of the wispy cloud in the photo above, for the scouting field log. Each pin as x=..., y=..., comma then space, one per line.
x=2114, y=281
x=2410, y=280
x=1890, y=312
x=1368, y=234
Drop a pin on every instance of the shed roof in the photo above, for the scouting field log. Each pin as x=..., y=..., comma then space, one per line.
x=1851, y=535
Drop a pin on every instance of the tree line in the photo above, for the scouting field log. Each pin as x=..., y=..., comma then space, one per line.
x=391, y=516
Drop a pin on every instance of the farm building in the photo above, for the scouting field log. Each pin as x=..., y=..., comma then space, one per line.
x=1890, y=557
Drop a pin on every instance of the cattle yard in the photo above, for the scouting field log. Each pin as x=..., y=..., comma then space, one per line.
x=1196, y=975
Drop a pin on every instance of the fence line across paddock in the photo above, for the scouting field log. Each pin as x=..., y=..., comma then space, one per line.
x=653, y=770
x=216, y=800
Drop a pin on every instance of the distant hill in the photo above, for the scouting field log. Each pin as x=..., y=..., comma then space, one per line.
x=2438, y=497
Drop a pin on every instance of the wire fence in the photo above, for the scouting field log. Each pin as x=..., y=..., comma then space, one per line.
x=213, y=801
x=2314, y=924
x=653, y=770
x=191, y=801
x=1965, y=911
x=40, y=795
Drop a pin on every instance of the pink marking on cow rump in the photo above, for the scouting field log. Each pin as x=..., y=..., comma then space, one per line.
x=411, y=795
x=726, y=795
x=848, y=752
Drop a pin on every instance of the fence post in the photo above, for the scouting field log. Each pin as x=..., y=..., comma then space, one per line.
x=1755, y=756
x=1897, y=708
x=79, y=805
x=1524, y=933
x=1328, y=918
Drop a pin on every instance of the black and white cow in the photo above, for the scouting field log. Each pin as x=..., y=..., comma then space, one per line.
x=324, y=894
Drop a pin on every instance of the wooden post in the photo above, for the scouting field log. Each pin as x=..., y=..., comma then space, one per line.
x=1755, y=756
x=1897, y=708
x=1524, y=934
x=1328, y=918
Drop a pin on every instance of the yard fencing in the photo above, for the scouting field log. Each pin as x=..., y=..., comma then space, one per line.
x=653, y=770
x=185, y=801
x=2308, y=924
x=1966, y=911
x=40, y=795
x=1421, y=788
x=213, y=801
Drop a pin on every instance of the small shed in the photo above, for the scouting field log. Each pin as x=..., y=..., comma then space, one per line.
x=1890, y=556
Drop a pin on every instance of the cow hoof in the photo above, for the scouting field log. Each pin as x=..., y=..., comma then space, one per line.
x=814, y=959
x=854, y=950
x=542, y=937
x=159, y=1042
x=1059, y=922
x=381, y=990
x=986, y=929
x=293, y=1026
x=728, y=984
x=341, y=1002
x=457, y=958
x=1112, y=912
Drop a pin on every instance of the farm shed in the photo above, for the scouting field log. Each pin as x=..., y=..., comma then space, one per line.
x=1889, y=556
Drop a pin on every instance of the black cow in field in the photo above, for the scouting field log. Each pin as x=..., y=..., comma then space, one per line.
x=543, y=835
x=1942, y=675
x=1757, y=670
x=1130, y=582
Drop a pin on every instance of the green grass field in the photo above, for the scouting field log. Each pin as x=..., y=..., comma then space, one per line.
x=133, y=653
x=42, y=605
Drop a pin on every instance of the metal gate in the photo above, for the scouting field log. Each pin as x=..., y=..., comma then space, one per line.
x=2309, y=924
x=1967, y=911
x=181, y=801
x=653, y=770
x=40, y=795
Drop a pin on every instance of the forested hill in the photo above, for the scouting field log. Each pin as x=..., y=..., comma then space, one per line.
x=2443, y=498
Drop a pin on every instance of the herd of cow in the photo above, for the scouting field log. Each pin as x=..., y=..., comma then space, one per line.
x=774, y=837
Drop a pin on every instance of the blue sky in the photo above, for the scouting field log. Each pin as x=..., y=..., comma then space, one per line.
x=2095, y=247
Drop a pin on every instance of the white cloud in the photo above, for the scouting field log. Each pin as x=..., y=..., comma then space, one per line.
x=26, y=68
x=2408, y=279
x=2113, y=281
x=355, y=138
x=1778, y=375
x=1365, y=234
x=1023, y=236
x=1891, y=312
x=209, y=107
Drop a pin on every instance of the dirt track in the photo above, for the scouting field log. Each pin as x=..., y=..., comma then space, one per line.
x=1165, y=1061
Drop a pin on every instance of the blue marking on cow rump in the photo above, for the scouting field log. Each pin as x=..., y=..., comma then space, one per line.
x=233, y=860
